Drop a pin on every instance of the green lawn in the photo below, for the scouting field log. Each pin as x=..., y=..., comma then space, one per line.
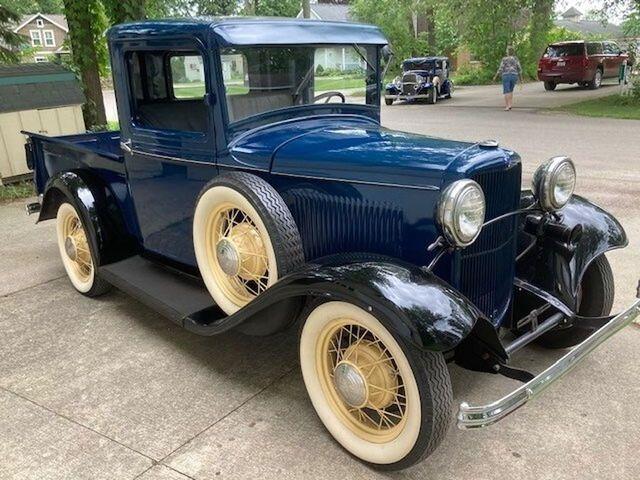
x=323, y=84
x=612, y=106
x=16, y=191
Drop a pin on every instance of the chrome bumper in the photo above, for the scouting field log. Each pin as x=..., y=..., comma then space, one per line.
x=406, y=97
x=477, y=416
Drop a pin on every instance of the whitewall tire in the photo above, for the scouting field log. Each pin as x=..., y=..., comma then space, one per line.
x=383, y=401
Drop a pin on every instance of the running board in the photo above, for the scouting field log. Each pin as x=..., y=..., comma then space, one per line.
x=177, y=296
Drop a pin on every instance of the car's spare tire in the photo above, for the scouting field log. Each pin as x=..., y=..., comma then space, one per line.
x=244, y=237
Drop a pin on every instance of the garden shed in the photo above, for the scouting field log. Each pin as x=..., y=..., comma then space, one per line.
x=38, y=97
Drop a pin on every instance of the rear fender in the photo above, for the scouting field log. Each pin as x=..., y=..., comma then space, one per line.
x=100, y=213
x=416, y=305
x=559, y=274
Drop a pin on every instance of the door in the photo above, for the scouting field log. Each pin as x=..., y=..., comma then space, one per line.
x=168, y=144
x=611, y=59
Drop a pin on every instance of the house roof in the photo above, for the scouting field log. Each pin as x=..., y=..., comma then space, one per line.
x=58, y=20
x=572, y=12
x=29, y=86
x=592, y=27
x=240, y=31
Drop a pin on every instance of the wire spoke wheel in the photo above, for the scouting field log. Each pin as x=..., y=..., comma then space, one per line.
x=362, y=381
x=75, y=249
x=238, y=253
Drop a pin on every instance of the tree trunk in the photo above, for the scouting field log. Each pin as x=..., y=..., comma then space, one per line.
x=541, y=23
x=306, y=9
x=80, y=18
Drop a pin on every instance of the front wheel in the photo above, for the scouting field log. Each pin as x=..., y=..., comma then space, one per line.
x=383, y=400
x=433, y=96
x=596, y=300
x=388, y=101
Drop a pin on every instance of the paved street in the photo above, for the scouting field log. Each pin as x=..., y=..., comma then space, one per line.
x=107, y=389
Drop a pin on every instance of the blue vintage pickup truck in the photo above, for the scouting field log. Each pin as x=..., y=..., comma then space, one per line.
x=243, y=193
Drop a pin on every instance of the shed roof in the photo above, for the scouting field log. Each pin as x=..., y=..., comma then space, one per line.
x=240, y=31
x=29, y=86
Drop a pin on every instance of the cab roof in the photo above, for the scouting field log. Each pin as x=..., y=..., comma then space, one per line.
x=244, y=31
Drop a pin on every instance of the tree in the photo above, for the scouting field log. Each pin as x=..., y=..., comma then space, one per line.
x=9, y=41
x=120, y=11
x=540, y=25
x=85, y=30
x=26, y=7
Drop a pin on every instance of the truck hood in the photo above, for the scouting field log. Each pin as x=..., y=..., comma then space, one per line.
x=359, y=149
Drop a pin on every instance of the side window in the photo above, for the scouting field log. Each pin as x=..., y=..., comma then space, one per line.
x=608, y=48
x=167, y=90
x=594, y=48
x=615, y=48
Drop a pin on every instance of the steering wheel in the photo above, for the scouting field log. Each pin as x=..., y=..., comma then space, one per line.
x=328, y=96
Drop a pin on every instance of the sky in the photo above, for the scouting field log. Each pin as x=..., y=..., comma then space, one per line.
x=586, y=5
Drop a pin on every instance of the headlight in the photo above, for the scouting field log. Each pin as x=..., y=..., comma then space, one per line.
x=419, y=79
x=397, y=81
x=461, y=212
x=553, y=183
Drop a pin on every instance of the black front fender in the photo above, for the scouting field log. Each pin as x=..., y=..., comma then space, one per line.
x=560, y=274
x=414, y=303
x=99, y=210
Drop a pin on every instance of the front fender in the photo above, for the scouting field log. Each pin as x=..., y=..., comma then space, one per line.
x=559, y=274
x=415, y=304
x=99, y=210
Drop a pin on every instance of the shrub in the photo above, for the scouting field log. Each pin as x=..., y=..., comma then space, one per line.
x=473, y=75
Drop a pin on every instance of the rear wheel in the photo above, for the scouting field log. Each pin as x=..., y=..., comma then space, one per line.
x=596, y=300
x=75, y=251
x=549, y=86
x=383, y=400
x=595, y=83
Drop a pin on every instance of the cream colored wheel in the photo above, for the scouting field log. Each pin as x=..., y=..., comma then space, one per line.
x=74, y=248
x=241, y=245
x=363, y=386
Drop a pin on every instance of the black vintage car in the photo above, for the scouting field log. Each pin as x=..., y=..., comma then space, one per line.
x=425, y=78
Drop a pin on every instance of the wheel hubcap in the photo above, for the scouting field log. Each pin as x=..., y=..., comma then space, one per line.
x=70, y=248
x=351, y=384
x=228, y=257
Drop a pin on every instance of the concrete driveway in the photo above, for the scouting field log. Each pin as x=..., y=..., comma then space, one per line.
x=108, y=389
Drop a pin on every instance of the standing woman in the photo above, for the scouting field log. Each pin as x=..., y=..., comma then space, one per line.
x=511, y=71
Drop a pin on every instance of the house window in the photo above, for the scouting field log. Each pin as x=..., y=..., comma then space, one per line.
x=39, y=23
x=49, y=39
x=36, y=38
x=41, y=59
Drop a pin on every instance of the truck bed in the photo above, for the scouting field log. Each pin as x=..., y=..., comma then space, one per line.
x=47, y=156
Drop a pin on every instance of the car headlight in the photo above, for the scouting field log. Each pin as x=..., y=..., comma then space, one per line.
x=419, y=79
x=554, y=182
x=461, y=212
x=397, y=81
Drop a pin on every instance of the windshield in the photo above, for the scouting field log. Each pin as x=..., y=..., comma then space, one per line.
x=263, y=79
x=568, y=50
x=418, y=64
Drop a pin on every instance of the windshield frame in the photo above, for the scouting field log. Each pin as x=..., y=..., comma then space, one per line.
x=369, y=108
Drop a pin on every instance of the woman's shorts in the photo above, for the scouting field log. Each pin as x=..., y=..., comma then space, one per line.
x=509, y=81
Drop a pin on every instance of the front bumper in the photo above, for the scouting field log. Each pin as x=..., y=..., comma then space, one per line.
x=477, y=416
x=406, y=97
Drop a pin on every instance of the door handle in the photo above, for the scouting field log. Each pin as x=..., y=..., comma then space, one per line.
x=126, y=146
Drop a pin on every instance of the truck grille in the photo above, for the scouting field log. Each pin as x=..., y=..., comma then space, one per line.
x=408, y=84
x=487, y=267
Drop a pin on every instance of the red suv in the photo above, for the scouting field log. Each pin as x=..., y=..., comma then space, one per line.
x=584, y=63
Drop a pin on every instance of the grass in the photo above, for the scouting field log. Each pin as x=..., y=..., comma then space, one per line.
x=337, y=83
x=611, y=106
x=16, y=191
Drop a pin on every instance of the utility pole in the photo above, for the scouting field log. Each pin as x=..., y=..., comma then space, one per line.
x=306, y=9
